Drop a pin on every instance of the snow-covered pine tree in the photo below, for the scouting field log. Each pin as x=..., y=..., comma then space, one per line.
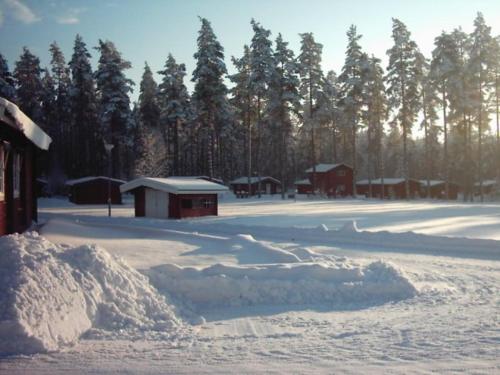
x=114, y=106
x=375, y=116
x=311, y=85
x=49, y=116
x=66, y=147
x=328, y=117
x=7, y=81
x=442, y=69
x=283, y=104
x=175, y=111
x=261, y=70
x=403, y=86
x=85, y=126
x=209, y=96
x=242, y=102
x=29, y=85
x=480, y=70
x=352, y=82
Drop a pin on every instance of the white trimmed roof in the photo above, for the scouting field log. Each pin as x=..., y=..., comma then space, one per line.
x=253, y=180
x=175, y=185
x=387, y=181
x=435, y=182
x=322, y=168
x=23, y=123
x=91, y=178
x=303, y=182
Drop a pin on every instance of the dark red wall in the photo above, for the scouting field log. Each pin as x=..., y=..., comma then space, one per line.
x=329, y=182
x=438, y=191
x=398, y=189
x=176, y=211
x=243, y=188
x=140, y=202
x=17, y=214
x=95, y=192
x=304, y=189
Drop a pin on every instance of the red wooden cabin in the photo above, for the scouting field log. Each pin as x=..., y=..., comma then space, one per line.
x=303, y=186
x=394, y=188
x=268, y=185
x=20, y=141
x=437, y=189
x=334, y=180
x=94, y=190
x=174, y=197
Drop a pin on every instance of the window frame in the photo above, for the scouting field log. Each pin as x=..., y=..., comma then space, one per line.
x=16, y=175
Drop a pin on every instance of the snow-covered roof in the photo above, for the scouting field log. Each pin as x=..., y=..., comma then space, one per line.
x=175, y=185
x=13, y=116
x=387, y=181
x=303, y=182
x=322, y=168
x=435, y=182
x=487, y=183
x=254, y=180
x=91, y=178
x=207, y=178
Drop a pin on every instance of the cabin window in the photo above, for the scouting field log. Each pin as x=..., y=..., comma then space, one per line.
x=187, y=203
x=341, y=173
x=206, y=203
x=2, y=174
x=16, y=168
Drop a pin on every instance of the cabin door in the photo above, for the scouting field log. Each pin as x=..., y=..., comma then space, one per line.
x=156, y=204
x=268, y=188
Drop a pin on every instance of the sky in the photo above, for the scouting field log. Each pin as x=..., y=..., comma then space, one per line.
x=151, y=29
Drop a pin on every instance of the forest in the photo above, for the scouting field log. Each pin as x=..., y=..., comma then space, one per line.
x=424, y=117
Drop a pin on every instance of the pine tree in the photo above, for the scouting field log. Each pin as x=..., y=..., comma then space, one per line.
x=352, y=81
x=311, y=86
x=261, y=71
x=328, y=114
x=495, y=59
x=114, y=112
x=7, y=81
x=209, y=96
x=375, y=115
x=284, y=102
x=403, y=86
x=149, y=111
x=87, y=134
x=175, y=108
x=480, y=70
x=29, y=85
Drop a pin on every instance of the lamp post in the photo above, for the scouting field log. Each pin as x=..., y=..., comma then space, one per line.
x=109, y=147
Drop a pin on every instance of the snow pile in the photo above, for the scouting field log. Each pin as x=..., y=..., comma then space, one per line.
x=337, y=284
x=257, y=252
x=51, y=295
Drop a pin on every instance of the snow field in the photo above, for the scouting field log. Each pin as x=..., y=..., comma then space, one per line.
x=51, y=295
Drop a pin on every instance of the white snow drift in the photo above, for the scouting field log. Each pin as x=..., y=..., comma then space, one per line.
x=50, y=295
x=339, y=285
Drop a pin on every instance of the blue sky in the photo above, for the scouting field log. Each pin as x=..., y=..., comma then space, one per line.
x=148, y=30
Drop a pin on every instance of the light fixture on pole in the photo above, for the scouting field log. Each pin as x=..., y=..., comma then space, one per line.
x=109, y=147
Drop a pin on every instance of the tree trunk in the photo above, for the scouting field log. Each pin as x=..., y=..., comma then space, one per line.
x=445, y=129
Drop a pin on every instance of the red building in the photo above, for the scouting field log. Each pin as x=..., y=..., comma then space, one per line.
x=303, y=186
x=437, y=189
x=94, y=190
x=20, y=142
x=334, y=180
x=394, y=188
x=268, y=185
x=174, y=197
x=490, y=187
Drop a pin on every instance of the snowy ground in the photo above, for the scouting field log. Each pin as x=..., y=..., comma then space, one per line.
x=452, y=324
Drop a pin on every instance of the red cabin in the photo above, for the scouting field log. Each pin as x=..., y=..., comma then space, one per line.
x=94, y=190
x=437, y=189
x=303, y=186
x=268, y=185
x=333, y=180
x=394, y=188
x=174, y=197
x=20, y=140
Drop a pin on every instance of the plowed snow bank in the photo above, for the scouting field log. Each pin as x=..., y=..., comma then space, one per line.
x=50, y=295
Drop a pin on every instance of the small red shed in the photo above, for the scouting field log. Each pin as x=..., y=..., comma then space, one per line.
x=174, y=197
x=94, y=190
x=332, y=179
x=489, y=187
x=268, y=185
x=437, y=189
x=394, y=188
x=20, y=141
x=303, y=186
